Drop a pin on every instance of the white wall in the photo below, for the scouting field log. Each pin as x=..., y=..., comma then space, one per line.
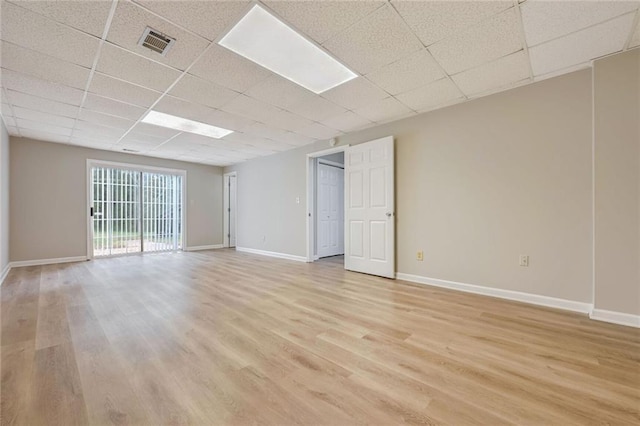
x=477, y=184
x=49, y=206
x=4, y=198
x=617, y=183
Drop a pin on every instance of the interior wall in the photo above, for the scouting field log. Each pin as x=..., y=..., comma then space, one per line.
x=477, y=185
x=49, y=203
x=4, y=198
x=617, y=182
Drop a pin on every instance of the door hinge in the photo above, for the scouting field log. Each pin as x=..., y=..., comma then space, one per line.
x=91, y=211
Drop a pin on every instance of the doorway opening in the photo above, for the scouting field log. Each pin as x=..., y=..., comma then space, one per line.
x=134, y=209
x=230, y=203
x=325, y=204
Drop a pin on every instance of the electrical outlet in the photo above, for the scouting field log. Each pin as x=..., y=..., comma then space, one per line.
x=420, y=255
x=524, y=260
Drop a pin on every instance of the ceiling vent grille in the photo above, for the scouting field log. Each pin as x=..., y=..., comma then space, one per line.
x=156, y=41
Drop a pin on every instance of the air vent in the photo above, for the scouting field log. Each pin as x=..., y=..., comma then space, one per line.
x=156, y=41
x=130, y=150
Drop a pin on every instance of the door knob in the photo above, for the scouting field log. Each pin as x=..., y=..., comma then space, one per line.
x=389, y=214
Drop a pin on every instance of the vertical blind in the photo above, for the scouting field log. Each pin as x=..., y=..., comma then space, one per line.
x=135, y=211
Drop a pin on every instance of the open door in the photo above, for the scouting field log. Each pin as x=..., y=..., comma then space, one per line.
x=370, y=208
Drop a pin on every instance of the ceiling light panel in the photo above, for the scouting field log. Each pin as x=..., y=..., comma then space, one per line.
x=269, y=42
x=185, y=125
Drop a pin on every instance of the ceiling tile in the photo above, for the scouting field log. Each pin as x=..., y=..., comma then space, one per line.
x=416, y=70
x=546, y=20
x=9, y=121
x=113, y=88
x=140, y=141
x=320, y=20
x=202, y=91
x=44, y=117
x=130, y=21
x=432, y=95
x=30, y=30
x=157, y=131
x=264, y=131
x=136, y=69
x=435, y=20
x=296, y=139
x=635, y=40
x=492, y=39
x=317, y=108
x=223, y=67
x=13, y=131
x=499, y=73
x=98, y=130
x=42, y=126
x=43, y=135
x=383, y=110
x=182, y=108
x=39, y=104
x=87, y=16
x=280, y=92
x=105, y=119
x=375, y=41
x=6, y=110
x=259, y=111
x=355, y=93
x=230, y=121
x=347, y=121
x=109, y=106
x=43, y=67
x=581, y=46
x=35, y=86
x=318, y=131
x=207, y=18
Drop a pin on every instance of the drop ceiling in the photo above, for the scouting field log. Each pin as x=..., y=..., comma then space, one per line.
x=74, y=73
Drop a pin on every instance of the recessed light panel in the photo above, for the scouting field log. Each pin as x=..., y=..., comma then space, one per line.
x=185, y=125
x=269, y=42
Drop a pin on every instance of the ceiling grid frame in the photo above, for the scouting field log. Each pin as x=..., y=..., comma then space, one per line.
x=161, y=95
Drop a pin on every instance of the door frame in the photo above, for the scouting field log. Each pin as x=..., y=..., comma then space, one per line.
x=225, y=210
x=311, y=202
x=138, y=168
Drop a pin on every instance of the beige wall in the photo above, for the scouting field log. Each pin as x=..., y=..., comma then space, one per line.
x=4, y=197
x=49, y=205
x=617, y=183
x=477, y=184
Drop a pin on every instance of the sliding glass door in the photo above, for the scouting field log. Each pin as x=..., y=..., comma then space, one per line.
x=135, y=211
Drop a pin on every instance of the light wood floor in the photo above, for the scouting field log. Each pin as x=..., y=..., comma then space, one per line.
x=229, y=338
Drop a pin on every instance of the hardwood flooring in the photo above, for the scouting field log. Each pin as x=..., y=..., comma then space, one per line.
x=221, y=337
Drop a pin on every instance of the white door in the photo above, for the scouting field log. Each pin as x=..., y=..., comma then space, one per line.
x=230, y=203
x=369, y=209
x=330, y=226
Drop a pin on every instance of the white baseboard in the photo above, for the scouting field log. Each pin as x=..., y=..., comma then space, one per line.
x=534, y=299
x=615, y=317
x=20, y=263
x=5, y=272
x=198, y=248
x=273, y=254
